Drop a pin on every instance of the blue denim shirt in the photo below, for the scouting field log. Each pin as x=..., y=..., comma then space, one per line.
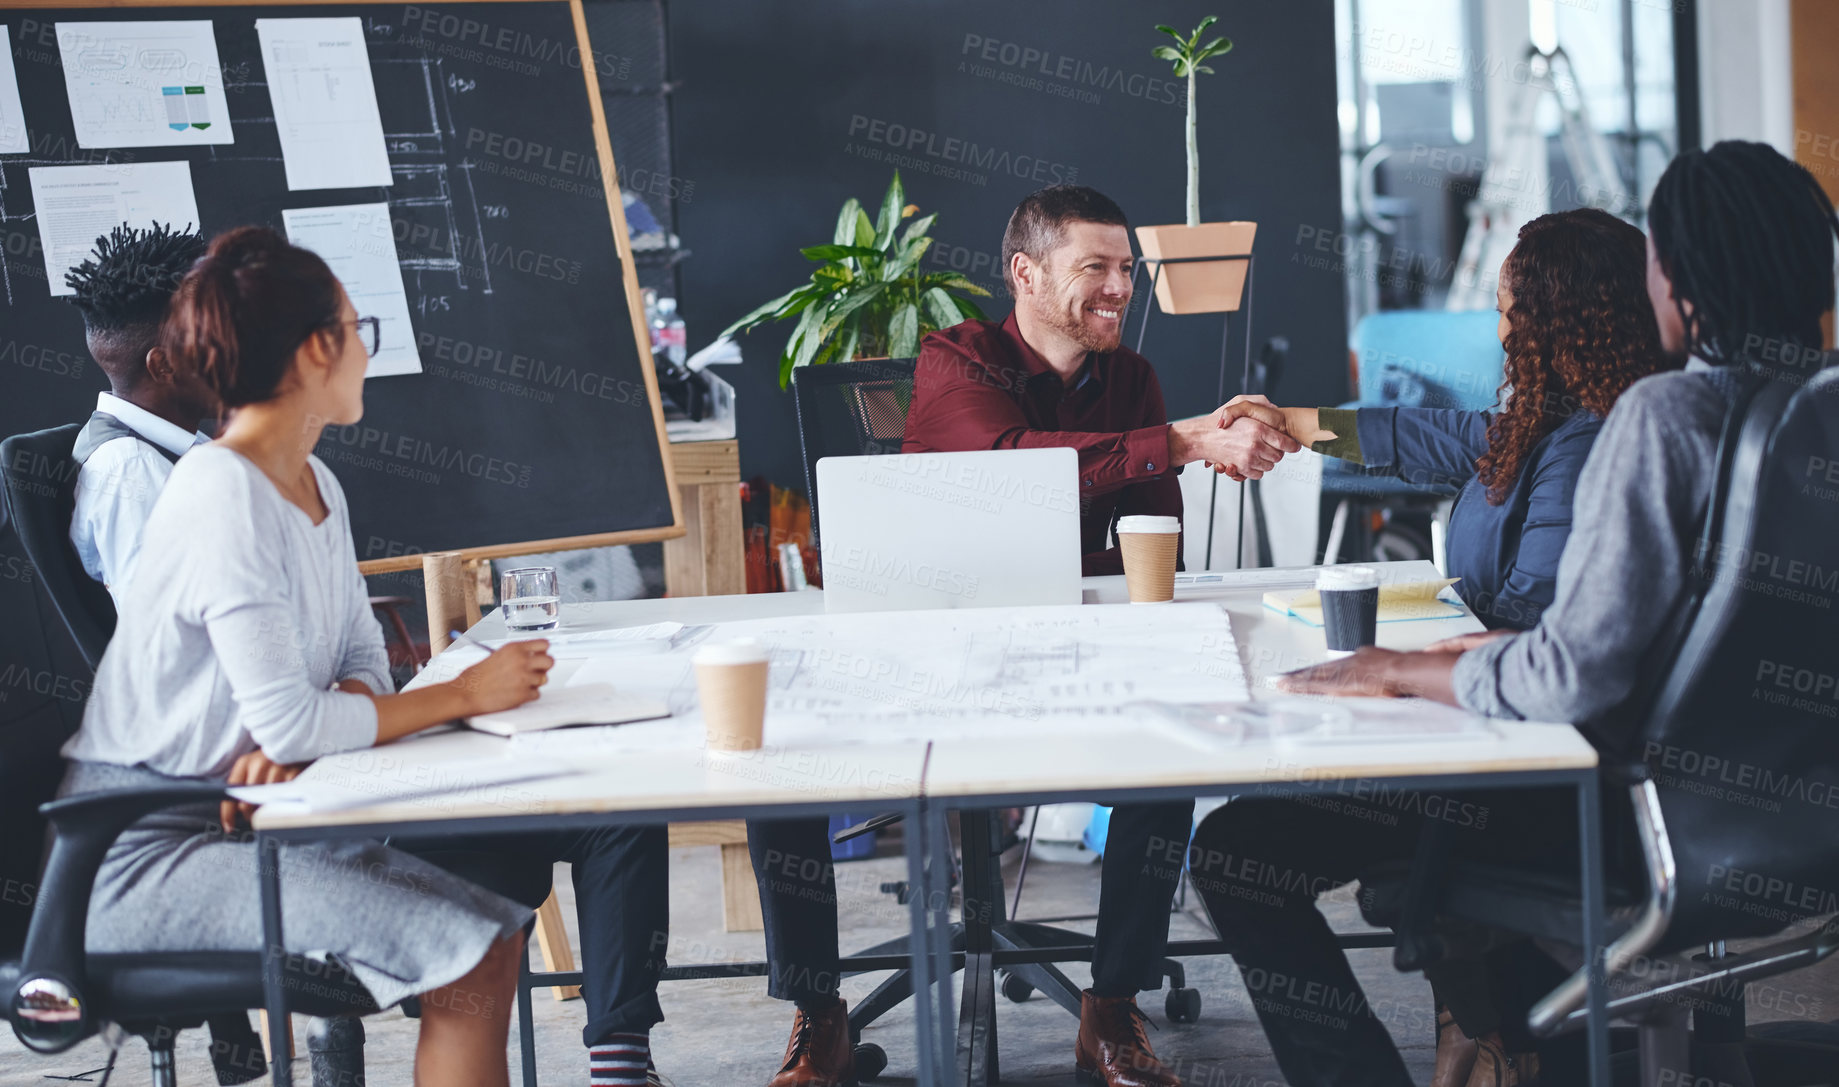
x=1506, y=555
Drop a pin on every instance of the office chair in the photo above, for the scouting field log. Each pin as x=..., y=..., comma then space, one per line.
x=57, y=994
x=850, y=409
x=858, y=409
x=1412, y=359
x=40, y=477
x=1737, y=750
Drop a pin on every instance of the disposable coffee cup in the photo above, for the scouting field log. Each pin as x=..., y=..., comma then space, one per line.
x=1150, y=546
x=1350, y=607
x=731, y=685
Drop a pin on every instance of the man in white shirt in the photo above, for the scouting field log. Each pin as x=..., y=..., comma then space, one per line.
x=150, y=415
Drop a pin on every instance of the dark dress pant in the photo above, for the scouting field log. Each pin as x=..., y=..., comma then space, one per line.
x=622, y=903
x=1142, y=867
x=1259, y=865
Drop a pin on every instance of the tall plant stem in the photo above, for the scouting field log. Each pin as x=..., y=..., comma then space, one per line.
x=1193, y=159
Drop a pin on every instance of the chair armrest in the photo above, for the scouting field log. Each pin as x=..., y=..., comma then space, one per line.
x=83, y=828
x=1561, y=1008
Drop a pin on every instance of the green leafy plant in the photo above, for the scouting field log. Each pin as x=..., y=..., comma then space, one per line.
x=867, y=297
x=1187, y=54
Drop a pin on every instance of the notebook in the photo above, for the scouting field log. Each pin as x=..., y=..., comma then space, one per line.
x=1398, y=602
x=559, y=707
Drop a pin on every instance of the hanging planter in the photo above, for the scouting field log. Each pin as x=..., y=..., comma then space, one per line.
x=1197, y=285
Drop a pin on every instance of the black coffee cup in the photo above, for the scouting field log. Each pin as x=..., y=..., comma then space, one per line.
x=1350, y=607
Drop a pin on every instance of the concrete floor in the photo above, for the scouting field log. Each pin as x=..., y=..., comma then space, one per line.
x=729, y=1034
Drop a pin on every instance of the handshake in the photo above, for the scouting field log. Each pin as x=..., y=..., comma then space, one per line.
x=1245, y=438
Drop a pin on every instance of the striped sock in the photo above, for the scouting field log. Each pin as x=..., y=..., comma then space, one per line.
x=620, y=1060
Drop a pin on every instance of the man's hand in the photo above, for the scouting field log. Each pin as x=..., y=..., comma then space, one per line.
x=255, y=768
x=1243, y=448
x=1462, y=643
x=1378, y=673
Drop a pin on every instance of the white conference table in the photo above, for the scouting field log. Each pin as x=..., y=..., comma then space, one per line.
x=923, y=781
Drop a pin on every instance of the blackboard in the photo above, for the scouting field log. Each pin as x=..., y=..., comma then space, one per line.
x=535, y=424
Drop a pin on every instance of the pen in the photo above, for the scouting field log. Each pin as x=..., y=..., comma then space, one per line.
x=462, y=636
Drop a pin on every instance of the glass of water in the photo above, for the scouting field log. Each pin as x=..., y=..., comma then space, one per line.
x=530, y=598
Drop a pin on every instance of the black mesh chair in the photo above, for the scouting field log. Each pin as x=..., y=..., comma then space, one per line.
x=850, y=409
x=40, y=478
x=1739, y=752
x=860, y=409
x=57, y=994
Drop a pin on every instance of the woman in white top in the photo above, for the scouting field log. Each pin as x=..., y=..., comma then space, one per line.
x=246, y=649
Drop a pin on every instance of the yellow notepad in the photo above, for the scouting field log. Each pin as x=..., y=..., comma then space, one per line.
x=1398, y=602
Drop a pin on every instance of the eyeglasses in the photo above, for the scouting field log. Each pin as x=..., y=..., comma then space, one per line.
x=371, y=329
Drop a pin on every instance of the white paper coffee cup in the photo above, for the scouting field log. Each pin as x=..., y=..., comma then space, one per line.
x=1151, y=546
x=731, y=686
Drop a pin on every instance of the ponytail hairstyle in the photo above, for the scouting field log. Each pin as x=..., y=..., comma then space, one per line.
x=246, y=307
x=1746, y=237
x=1581, y=331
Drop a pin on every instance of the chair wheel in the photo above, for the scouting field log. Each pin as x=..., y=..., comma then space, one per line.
x=1017, y=990
x=1183, y=1005
x=871, y=1060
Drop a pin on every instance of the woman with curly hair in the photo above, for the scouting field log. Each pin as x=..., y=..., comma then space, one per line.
x=1578, y=331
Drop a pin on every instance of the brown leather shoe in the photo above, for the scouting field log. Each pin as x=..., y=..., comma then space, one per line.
x=1495, y=1067
x=1456, y=1053
x=819, y=1053
x=1112, y=1050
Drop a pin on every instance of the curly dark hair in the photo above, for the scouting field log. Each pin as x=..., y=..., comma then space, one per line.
x=1581, y=331
x=128, y=282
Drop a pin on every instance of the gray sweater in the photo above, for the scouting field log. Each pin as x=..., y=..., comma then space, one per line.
x=1641, y=502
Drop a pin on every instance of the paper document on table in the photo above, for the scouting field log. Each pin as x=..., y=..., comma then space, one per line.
x=75, y=205
x=580, y=644
x=650, y=639
x=1325, y=721
x=1398, y=602
x=325, y=102
x=356, y=780
x=560, y=707
x=1046, y=671
x=357, y=241
x=1299, y=577
x=13, y=139
x=144, y=84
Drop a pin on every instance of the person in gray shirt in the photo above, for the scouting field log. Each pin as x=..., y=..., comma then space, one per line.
x=1740, y=271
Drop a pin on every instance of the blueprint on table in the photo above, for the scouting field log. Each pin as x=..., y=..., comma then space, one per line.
x=1048, y=671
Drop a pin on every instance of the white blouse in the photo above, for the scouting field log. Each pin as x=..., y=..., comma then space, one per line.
x=241, y=616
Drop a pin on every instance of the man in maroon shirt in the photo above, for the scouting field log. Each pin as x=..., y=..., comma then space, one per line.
x=1054, y=375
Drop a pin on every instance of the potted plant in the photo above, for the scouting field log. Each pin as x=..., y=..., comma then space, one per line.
x=1200, y=287
x=867, y=297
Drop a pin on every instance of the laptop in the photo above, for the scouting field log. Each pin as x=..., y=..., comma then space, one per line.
x=949, y=530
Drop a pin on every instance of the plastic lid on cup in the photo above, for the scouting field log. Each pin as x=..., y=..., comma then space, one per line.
x=1142, y=522
x=1346, y=578
x=738, y=651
